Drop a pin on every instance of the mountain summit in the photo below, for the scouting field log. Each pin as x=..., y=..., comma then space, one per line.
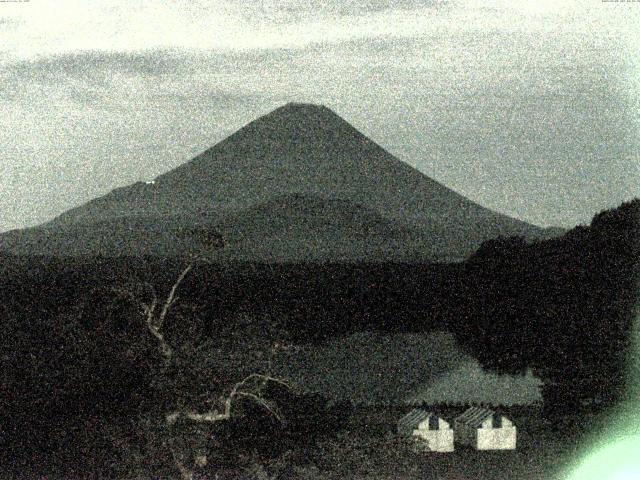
x=297, y=184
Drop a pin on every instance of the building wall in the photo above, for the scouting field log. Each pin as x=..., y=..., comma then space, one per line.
x=435, y=440
x=497, y=438
x=486, y=438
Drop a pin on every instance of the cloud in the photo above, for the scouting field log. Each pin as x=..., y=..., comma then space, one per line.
x=93, y=67
x=106, y=79
x=48, y=28
x=293, y=11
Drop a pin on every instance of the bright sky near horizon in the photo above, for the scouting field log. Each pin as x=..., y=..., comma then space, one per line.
x=529, y=108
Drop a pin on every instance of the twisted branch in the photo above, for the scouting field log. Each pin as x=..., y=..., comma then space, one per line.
x=217, y=416
x=153, y=320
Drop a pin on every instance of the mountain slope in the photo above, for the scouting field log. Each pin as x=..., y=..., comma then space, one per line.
x=311, y=228
x=297, y=149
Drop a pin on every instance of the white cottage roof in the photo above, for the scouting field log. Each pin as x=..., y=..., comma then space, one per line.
x=475, y=416
x=415, y=417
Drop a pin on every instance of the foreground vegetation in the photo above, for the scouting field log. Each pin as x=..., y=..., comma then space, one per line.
x=363, y=446
x=93, y=368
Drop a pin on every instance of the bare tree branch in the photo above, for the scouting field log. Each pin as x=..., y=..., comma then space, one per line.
x=251, y=387
x=207, y=417
x=171, y=298
x=154, y=321
x=269, y=406
x=217, y=416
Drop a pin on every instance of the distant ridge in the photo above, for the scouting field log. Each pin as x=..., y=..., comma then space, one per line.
x=344, y=197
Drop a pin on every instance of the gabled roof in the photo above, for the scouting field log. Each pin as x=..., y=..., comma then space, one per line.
x=415, y=417
x=475, y=416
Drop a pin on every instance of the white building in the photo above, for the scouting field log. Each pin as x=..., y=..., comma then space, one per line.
x=431, y=432
x=484, y=429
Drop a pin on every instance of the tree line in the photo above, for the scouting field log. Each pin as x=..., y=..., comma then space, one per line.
x=564, y=307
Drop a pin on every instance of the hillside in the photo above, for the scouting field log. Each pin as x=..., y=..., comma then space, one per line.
x=318, y=229
x=299, y=176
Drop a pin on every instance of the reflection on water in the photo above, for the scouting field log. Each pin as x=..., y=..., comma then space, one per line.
x=376, y=368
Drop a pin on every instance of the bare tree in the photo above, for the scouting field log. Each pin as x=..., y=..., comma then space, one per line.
x=153, y=317
x=155, y=312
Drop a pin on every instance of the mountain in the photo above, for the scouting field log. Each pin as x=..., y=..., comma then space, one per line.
x=299, y=183
x=319, y=229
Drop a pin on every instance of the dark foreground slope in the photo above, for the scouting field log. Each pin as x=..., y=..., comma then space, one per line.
x=293, y=171
x=74, y=353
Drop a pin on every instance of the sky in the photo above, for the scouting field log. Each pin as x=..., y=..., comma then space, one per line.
x=530, y=108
